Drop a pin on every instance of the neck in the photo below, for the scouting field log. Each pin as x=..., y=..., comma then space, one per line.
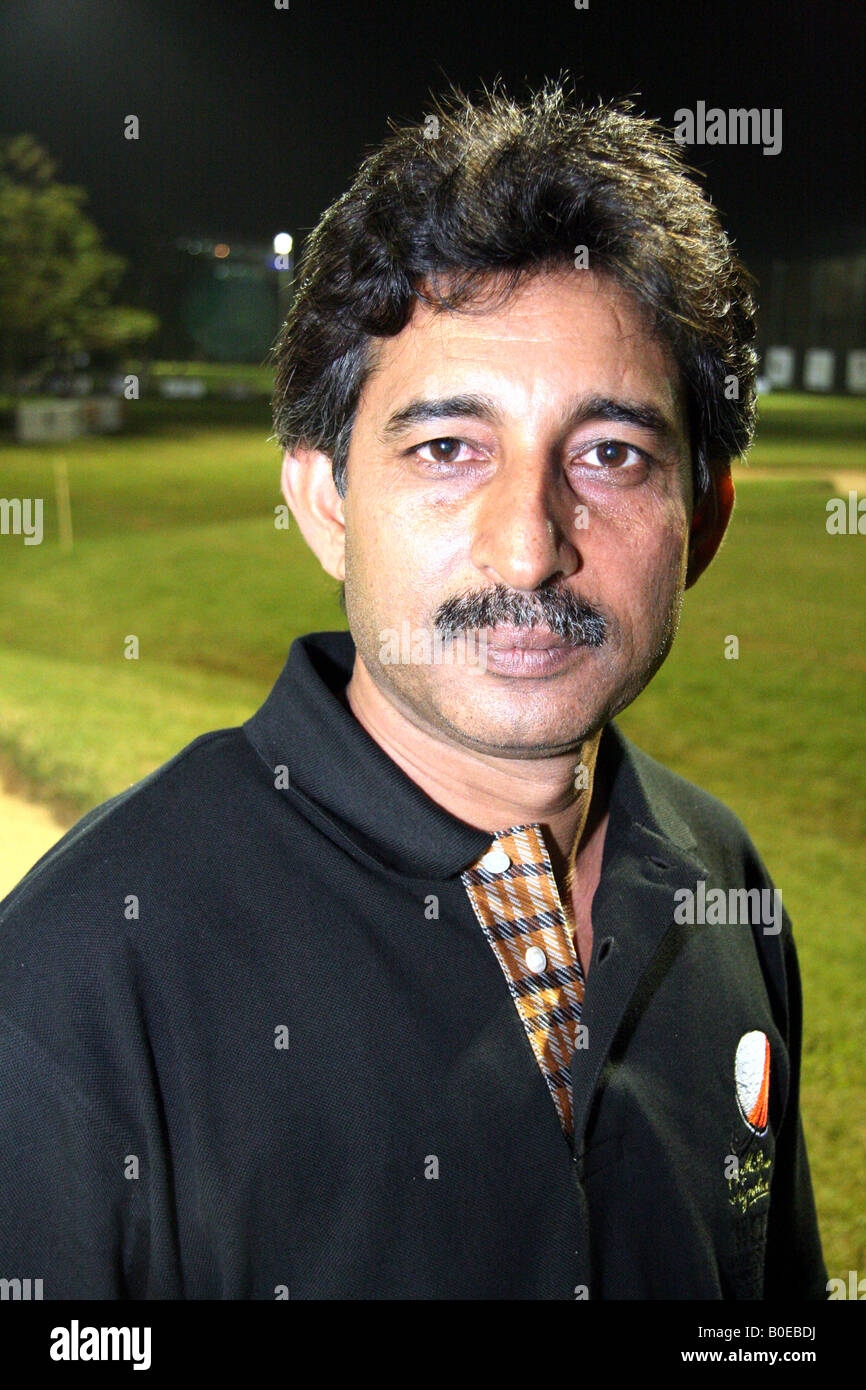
x=488, y=791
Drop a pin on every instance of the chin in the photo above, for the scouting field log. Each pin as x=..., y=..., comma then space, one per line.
x=514, y=722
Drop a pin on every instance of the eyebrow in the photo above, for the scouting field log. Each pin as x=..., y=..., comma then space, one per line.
x=614, y=410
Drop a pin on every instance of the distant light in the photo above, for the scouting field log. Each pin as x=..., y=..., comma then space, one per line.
x=282, y=243
x=194, y=247
x=221, y=250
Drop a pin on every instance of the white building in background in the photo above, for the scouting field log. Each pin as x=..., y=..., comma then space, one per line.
x=812, y=323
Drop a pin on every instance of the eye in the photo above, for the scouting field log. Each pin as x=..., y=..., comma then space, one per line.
x=444, y=450
x=612, y=453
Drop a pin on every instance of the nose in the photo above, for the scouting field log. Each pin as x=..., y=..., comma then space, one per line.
x=523, y=527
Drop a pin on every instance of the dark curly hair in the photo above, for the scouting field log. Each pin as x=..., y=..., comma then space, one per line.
x=486, y=191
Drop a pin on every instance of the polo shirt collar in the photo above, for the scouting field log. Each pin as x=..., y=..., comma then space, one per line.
x=339, y=774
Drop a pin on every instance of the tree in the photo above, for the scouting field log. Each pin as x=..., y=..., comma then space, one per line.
x=56, y=276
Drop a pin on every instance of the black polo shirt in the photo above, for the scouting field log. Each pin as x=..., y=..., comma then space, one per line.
x=241, y=1060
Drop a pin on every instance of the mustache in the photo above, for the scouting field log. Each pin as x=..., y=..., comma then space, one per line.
x=568, y=616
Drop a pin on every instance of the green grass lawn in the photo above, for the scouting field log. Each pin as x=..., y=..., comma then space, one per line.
x=800, y=431
x=175, y=543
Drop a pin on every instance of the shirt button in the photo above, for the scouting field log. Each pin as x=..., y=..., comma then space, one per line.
x=496, y=861
x=536, y=960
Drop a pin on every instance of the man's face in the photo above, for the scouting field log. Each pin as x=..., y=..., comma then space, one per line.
x=571, y=477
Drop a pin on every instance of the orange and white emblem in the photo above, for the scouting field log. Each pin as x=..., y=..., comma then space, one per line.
x=752, y=1073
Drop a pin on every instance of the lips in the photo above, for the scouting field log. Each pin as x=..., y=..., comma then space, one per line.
x=535, y=639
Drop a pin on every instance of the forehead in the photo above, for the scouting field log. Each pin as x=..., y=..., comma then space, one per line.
x=560, y=332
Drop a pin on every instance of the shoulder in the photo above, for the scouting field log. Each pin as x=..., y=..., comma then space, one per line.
x=715, y=842
x=698, y=806
x=691, y=815
x=136, y=835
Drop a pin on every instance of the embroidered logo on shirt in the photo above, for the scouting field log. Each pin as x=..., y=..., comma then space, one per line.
x=752, y=1076
x=749, y=1164
x=750, y=1181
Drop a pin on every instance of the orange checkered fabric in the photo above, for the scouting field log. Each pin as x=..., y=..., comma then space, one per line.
x=516, y=900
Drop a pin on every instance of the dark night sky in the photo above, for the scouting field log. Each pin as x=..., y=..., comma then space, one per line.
x=253, y=119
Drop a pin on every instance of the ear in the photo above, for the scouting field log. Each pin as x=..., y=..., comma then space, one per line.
x=710, y=522
x=307, y=483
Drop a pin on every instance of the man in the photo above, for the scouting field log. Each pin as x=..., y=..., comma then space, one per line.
x=407, y=988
